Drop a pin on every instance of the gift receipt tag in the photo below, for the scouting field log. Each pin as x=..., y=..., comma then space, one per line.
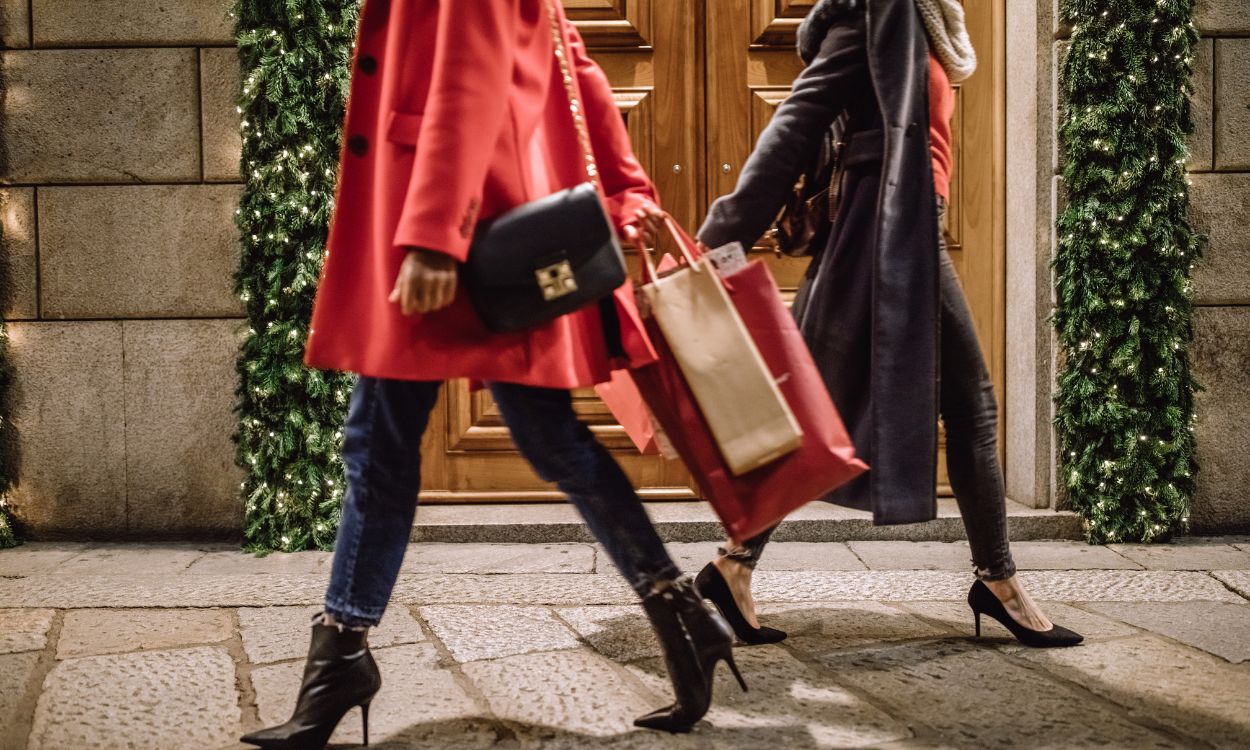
x=727, y=259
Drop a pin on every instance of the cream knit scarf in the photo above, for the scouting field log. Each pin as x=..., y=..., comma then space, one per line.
x=948, y=37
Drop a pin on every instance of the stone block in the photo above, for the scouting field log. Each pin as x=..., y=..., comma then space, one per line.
x=1202, y=107
x=419, y=705
x=1221, y=360
x=16, y=673
x=70, y=421
x=1215, y=627
x=24, y=630
x=958, y=617
x=14, y=24
x=472, y=632
x=235, y=562
x=153, y=699
x=914, y=555
x=127, y=115
x=219, y=94
x=124, y=560
x=1222, y=16
x=1160, y=682
x=577, y=691
x=430, y=557
x=95, y=632
x=180, y=473
x=822, y=628
x=1232, y=105
x=18, y=255
x=1186, y=555
x=954, y=687
x=1220, y=209
x=620, y=633
x=133, y=23
x=166, y=251
x=279, y=633
x=692, y=556
x=791, y=704
x=1237, y=580
x=33, y=558
x=1067, y=556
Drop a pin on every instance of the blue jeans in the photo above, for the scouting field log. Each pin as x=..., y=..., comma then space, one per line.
x=382, y=453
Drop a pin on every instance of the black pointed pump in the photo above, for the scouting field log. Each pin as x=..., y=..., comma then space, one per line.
x=983, y=602
x=715, y=588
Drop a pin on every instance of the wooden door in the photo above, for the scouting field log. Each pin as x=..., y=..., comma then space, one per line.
x=697, y=81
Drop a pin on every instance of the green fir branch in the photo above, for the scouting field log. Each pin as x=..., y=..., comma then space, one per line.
x=294, y=57
x=8, y=533
x=1126, y=254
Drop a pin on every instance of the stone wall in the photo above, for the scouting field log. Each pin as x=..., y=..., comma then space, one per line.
x=1220, y=167
x=118, y=183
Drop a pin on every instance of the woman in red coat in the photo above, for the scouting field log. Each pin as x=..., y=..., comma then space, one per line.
x=460, y=111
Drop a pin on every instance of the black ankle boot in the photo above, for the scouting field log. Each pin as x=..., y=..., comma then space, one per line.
x=695, y=639
x=339, y=675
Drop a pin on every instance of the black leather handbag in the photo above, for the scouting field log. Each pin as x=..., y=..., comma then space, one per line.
x=552, y=256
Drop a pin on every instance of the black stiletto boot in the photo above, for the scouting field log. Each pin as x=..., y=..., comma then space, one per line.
x=983, y=602
x=339, y=675
x=695, y=639
x=713, y=586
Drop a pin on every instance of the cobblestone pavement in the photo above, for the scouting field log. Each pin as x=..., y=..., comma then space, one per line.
x=541, y=646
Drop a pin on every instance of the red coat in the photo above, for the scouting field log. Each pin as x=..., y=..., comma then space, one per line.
x=457, y=113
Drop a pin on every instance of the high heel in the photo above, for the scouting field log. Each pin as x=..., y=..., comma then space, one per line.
x=713, y=586
x=339, y=675
x=695, y=639
x=983, y=602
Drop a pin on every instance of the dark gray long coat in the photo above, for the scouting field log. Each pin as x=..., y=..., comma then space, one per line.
x=869, y=307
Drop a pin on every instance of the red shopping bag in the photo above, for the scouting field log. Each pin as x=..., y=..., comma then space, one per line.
x=621, y=396
x=756, y=501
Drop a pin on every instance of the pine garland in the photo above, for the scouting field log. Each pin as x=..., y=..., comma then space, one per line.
x=8, y=537
x=1125, y=405
x=295, y=57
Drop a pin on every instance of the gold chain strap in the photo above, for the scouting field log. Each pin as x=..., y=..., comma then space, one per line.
x=575, y=103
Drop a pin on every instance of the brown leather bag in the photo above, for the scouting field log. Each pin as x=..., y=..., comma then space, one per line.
x=806, y=220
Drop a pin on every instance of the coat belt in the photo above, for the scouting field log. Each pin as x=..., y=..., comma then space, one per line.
x=863, y=147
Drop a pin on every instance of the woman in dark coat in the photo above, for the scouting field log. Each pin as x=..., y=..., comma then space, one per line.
x=881, y=308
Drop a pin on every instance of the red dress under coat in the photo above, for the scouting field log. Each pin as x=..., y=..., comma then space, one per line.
x=458, y=113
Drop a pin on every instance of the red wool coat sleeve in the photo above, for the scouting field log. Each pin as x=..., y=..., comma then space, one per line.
x=473, y=64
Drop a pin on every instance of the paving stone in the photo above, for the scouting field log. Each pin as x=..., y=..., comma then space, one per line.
x=32, y=558
x=24, y=630
x=133, y=23
x=94, y=632
x=1222, y=16
x=125, y=560
x=279, y=633
x=14, y=24
x=955, y=687
x=1220, y=209
x=236, y=562
x=958, y=617
x=1067, y=556
x=577, y=691
x=72, y=475
x=1232, y=104
x=16, y=671
x=1215, y=627
x=139, y=251
x=122, y=115
x=472, y=633
x=219, y=94
x=914, y=555
x=790, y=704
x=1197, y=693
x=153, y=699
x=420, y=705
x=555, y=738
x=619, y=633
x=1221, y=357
x=1186, y=556
x=692, y=556
x=181, y=477
x=499, y=558
x=18, y=254
x=819, y=629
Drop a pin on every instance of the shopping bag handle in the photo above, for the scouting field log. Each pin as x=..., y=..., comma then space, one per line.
x=689, y=249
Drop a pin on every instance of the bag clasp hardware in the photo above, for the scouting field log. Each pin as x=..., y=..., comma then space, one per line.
x=556, y=280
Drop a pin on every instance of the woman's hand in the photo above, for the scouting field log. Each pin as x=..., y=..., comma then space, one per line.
x=645, y=229
x=426, y=282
